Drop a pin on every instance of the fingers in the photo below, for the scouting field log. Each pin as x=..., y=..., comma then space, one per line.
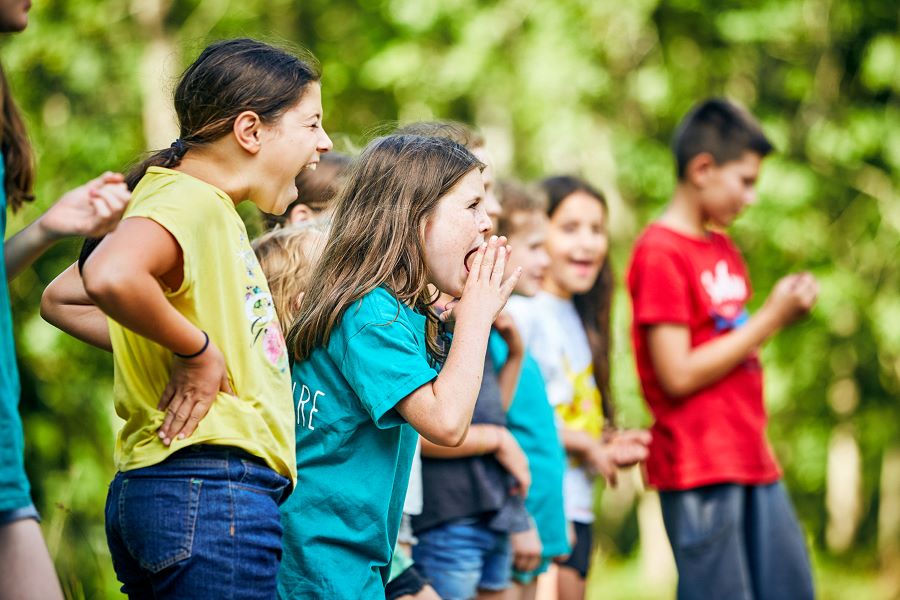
x=166, y=398
x=490, y=256
x=506, y=289
x=477, y=261
x=503, y=251
x=198, y=411
x=527, y=561
x=171, y=414
x=225, y=385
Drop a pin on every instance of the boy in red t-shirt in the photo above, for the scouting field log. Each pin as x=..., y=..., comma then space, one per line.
x=731, y=525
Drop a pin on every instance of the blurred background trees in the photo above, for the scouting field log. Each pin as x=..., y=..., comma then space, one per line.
x=557, y=86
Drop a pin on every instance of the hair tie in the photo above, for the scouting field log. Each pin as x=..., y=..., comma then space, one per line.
x=179, y=146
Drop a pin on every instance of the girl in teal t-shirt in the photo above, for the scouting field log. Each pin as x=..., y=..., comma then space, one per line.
x=366, y=344
x=92, y=209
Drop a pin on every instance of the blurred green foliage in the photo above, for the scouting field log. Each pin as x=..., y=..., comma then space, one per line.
x=573, y=86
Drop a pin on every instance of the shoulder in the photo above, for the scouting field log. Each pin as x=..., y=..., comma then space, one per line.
x=724, y=241
x=166, y=191
x=378, y=307
x=656, y=238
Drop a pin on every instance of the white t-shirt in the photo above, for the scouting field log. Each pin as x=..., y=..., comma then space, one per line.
x=552, y=331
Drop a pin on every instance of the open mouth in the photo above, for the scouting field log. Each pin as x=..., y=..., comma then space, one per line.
x=583, y=266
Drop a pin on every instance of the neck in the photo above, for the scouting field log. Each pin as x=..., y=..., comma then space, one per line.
x=215, y=167
x=553, y=288
x=683, y=213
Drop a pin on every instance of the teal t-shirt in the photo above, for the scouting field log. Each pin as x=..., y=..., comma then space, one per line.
x=354, y=451
x=531, y=420
x=14, y=489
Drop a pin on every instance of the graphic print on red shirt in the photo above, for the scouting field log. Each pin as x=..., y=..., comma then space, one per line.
x=717, y=434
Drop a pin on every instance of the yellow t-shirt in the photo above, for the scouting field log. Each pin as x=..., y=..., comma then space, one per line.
x=225, y=294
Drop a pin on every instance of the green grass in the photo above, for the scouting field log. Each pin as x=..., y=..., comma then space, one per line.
x=625, y=579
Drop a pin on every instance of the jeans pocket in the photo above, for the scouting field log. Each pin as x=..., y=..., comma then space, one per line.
x=157, y=519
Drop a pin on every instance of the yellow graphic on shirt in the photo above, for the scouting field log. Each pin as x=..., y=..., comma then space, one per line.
x=585, y=411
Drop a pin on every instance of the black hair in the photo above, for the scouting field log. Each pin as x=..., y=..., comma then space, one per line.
x=720, y=128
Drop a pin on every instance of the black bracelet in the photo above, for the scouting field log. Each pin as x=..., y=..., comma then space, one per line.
x=199, y=352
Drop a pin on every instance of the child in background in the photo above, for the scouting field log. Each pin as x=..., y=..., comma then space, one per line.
x=26, y=569
x=410, y=219
x=316, y=191
x=566, y=327
x=524, y=223
x=287, y=257
x=178, y=278
x=731, y=525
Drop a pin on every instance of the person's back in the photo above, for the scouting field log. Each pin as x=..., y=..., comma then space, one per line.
x=730, y=523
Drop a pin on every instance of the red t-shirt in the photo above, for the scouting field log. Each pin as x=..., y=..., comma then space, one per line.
x=716, y=435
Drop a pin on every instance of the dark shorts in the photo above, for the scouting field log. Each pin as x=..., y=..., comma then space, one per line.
x=408, y=583
x=580, y=558
x=19, y=514
x=740, y=542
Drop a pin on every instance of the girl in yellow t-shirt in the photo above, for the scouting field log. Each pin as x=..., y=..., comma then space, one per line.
x=206, y=454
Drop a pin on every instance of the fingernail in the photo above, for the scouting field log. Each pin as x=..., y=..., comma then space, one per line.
x=493, y=238
x=162, y=435
x=180, y=436
x=166, y=441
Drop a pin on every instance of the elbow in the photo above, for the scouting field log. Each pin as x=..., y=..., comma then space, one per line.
x=676, y=386
x=49, y=305
x=104, y=285
x=449, y=436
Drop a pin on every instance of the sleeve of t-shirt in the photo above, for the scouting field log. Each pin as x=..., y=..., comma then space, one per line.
x=659, y=288
x=383, y=364
x=195, y=222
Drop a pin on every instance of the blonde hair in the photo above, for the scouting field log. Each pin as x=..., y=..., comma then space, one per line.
x=287, y=257
x=376, y=235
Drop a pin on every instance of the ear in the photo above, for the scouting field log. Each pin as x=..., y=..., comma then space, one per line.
x=700, y=168
x=246, y=131
x=300, y=213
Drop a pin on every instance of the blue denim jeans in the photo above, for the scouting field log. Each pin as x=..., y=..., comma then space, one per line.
x=204, y=523
x=463, y=556
x=741, y=542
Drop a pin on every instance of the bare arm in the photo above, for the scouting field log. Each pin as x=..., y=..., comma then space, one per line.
x=442, y=410
x=92, y=210
x=683, y=370
x=484, y=439
x=481, y=439
x=66, y=305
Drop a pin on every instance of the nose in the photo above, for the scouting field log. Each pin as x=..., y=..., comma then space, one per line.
x=750, y=197
x=325, y=144
x=483, y=221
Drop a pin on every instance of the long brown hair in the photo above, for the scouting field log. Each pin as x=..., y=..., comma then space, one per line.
x=376, y=235
x=17, y=153
x=594, y=306
x=228, y=78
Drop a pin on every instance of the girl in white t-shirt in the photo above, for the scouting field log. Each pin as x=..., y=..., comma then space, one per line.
x=566, y=328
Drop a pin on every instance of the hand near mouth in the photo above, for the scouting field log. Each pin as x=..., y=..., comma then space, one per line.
x=486, y=292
